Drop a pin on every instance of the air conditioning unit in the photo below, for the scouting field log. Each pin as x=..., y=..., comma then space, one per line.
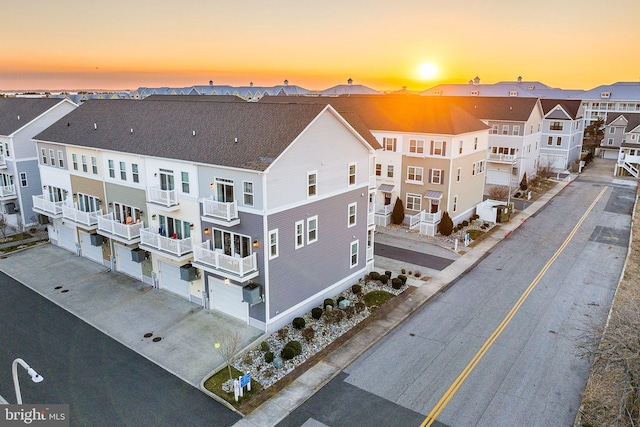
x=138, y=255
x=188, y=273
x=96, y=239
x=252, y=294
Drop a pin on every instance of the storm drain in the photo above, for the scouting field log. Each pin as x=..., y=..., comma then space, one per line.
x=157, y=339
x=148, y=335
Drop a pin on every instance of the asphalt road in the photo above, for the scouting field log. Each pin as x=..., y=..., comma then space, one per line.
x=530, y=372
x=105, y=383
x=412, y=257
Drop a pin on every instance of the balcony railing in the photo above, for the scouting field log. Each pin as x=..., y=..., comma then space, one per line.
x=3, y=161
x=383, y=210
x=7, y=191
x=227, y=212
x=43, y=206
x=158, y=196
x=72, y=213
x=424, y=216
x=372, y=182
x=112, y=227
x=215, y=260
x=168, y=245
x=501, y=157
x=369, y=252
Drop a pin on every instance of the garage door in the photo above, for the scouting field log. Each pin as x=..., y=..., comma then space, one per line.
x=227, y=299
x=125, y=264
x=94, y=253
x=553, y=161
x=611, y=154
x=67, y=238
x=498, y=177
x=170, y=279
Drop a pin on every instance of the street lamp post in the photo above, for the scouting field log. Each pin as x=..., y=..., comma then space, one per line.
x=35, y=377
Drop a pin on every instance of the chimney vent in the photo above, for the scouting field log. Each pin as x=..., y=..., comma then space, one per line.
x=349, y=81
x=18, y=117
x=193, y=133
x=95, y=126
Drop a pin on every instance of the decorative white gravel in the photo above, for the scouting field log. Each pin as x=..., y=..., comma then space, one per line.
x=267, y=374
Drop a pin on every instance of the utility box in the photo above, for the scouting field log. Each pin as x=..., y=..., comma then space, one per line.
x=96, y=239
x=188, y=273
x=138, y=255
x=252, y=294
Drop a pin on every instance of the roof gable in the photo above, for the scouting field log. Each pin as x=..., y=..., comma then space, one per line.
x=16, y=113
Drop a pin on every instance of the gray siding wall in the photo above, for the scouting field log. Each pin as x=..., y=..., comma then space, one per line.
x=298, y=274
x=125, y=195
x=207, y=175
x=34, y=187
x=250, y=225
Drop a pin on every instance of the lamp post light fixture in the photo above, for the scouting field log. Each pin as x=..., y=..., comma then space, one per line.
x=35, y=377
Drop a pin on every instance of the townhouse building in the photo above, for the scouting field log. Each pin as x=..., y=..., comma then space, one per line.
x=432, y=156
x=243, y=208
x=600, y=102
x=562, y=133
x=622, y=140
x=20, y=120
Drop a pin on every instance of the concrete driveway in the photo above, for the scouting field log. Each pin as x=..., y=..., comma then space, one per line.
x=127, y=309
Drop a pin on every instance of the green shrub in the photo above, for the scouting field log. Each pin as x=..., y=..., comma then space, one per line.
x=299, y=323
x=388, y=273
x=334, y=317
x=523, y=183
x=297, y=347
x=268, y=357
x=446, y=224
x=403, y=278
x=417, y=274
x=287, y=353
x=264, y=346
x=384, y=279
x=403, y=271
x=359, y=307
x=374, y=275
x=396, y=283
x=356, y=289
x=316, y=313
x=327, y=302
x=349, y=311
x=465, y=223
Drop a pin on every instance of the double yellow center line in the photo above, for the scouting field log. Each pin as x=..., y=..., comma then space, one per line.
x=444, y=400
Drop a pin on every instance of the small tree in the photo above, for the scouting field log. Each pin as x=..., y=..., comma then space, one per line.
x=498, y=192
x=397, y=216
x=446, y=225
x=3, y=226
x=228, y=344
x=523, y=183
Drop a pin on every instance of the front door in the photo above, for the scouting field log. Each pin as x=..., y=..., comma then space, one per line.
x=435, y=205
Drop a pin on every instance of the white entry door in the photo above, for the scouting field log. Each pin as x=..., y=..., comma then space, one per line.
x=94, y=253
x=125, y=264
x=171, y=281
x=67, y=238
x=227, y=299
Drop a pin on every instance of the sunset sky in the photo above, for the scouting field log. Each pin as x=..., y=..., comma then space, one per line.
x=125, y=44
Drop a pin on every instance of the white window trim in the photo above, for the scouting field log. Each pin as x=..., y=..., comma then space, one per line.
x=432, y=180
x=355, y=214
x=74, y=161
x=273, y=255
x=60, y=159
x=311, y=196
x=455, y=203
x=94, y=165
x=245, y=193
x=413, y=196
x=415, y=173
x=23, y=178
x=459, y=175
x=309, y=229
x=416, y=146
x=300, y=235
x=43, y=151
x=355, y=174
x=355, y=243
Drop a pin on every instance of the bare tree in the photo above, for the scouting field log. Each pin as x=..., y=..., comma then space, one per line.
x=228, y=344
x=498, y=192
x=545, y=169
x=3, y=226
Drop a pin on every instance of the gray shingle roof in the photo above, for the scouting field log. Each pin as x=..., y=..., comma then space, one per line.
x=497, y=108
x=25, y=108
x=165, y=129
x=572, y=107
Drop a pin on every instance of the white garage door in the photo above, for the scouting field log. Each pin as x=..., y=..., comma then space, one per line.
x=170, y=279
x=125, y=264
x=498, y=177
x=227, y=299
x=67, y=238
x=611, y=154
x=94, y=253
x=553, y=161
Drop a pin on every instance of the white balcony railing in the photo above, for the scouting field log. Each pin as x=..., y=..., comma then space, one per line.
x=226, y=211
x=424, y=217
x=3, y=161
x=501, y=157
x=372, y=182
x=176, y=247
x=108, y=224
x=42, y=204
x=217, y=260
x=72, y=213
x=383, y=210
x=162, y=197
x=7, y=190
x=369, y=252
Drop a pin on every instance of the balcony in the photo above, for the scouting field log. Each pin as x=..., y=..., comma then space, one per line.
x=372, y=182
x=114, y=229
x=88, y=220
x=369, y=253
x=216, y=261
x=220, y=213
x=42, y=205
x=504, y=158
x=425, y=222
x=166, y=199
x=382, y=214
x=177, y=249
x=8, y=192
x=3, y=162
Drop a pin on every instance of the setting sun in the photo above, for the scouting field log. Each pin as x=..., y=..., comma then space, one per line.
x=428, y=71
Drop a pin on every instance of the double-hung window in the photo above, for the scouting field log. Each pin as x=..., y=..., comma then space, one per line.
x=312, y=184
x=94, y=165
x=389, y=171
x=44, y=156
x=23, y=179
x=353, y=262
x=312, y=229
x=273, y=244
x=112, y=169
x=378, y=169
x=247, y=190
x=416, y=146
x=352, y=214
x=60, y=159
x=123, y=171
x=414, y=202
x=414, y=174
x=84, y=163
x=389, y=144
x=299, y=230
x=352, y=173
x=135, y=174
x=52, y=157
x=74, y=160
x=436, y=176
x=459, y=175
x=185, y=182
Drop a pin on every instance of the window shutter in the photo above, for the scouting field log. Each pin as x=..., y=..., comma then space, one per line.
x=442, y=176
x=431, y=152
x=430, y=175
x=444, y=148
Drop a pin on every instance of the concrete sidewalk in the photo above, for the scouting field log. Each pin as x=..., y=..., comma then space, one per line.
x=127, y=309
x=302, y=388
